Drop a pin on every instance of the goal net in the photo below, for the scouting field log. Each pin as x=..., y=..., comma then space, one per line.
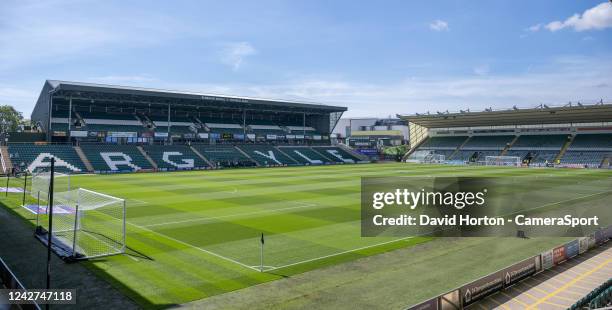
x=503, y=161
x=426, y=156
x=86, y=224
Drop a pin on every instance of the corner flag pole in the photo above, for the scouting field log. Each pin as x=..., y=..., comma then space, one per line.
x=25, y=188
x=262, y=246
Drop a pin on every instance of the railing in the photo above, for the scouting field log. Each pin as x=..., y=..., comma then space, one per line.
x=483, y=287
x=10, y=281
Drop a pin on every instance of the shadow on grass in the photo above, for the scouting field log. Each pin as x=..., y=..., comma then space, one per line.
x=29, y=264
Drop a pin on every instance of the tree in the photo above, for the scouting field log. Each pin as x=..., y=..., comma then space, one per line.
x=10, y=119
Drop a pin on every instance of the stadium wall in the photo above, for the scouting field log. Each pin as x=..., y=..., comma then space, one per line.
x=483, y=287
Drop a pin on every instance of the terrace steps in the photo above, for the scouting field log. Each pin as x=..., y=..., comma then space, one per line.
x=291, y=158
x=193, y=149
x=247, y=155
x=606, y=162
x=149, y=159
x=352, y=152
x=566, y=146
x=84, y=158
x=323, y=155
x=460, y=147
x=509, y=146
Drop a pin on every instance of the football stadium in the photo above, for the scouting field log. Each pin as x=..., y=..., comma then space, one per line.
x=180, y=198
x=304, y=155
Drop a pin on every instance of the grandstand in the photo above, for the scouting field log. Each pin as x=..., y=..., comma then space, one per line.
x=567, y=136
x=103, y=128
x=73, y=111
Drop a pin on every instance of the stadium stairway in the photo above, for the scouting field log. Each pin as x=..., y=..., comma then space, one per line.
x=193, y=149
x=84, y=158
x=6, y=160
x=291, y=158
x=117, y=158
x=147, y=157
x=336, y=154
x=566, y=146
x=248, y=156
x=509, y=146
x=347, y=149
x=606, y=162
x=305, y=155
x=460, y=147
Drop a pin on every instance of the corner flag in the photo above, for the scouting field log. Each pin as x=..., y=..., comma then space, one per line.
x=261, y=266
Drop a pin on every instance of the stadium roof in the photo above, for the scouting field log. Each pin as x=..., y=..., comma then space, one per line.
x=127, y=94
x=541, y=115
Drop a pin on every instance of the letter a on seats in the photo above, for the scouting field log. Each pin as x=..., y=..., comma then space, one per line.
x=40, y=162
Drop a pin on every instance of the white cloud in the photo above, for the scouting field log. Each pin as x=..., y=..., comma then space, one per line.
x=439, y=25
x=23, y=99
x=535, y=28
x=234, y=54
x=595, y=18
x=564, y=79
x=482, y=70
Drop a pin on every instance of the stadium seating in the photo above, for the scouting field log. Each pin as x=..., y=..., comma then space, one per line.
x=115, y=158
x=533, y=142
x=487, y=142
x=224, y=155
x=592, y=142
x=36, y=158
x=449, y=143
x=586, y=158
x=267, y=155
x=174, y=157
x=544, y=156
x=465, y=156
x=520, y=154
x=306, y=155
x=447, y=153
x=337, y=154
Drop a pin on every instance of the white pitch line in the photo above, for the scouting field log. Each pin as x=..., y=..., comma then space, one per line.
x=378, y=244
x=305, y=205
x=339, y=253
x=192, y=246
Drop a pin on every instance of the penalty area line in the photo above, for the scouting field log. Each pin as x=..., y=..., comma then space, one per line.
x=339, y=253
x=193, y=246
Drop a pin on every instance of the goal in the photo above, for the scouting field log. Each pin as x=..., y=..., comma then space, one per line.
x=86, y=224
x=503, y=161
x=426, y=156
x=434, y=159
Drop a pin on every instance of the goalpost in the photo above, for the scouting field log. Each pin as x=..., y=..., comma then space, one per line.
x=503, y=161
x=86, y=224
x=426, y=156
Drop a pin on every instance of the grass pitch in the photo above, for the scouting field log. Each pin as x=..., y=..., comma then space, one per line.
x=196, y=234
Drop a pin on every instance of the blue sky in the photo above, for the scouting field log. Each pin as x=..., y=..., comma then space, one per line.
x=379, y=58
